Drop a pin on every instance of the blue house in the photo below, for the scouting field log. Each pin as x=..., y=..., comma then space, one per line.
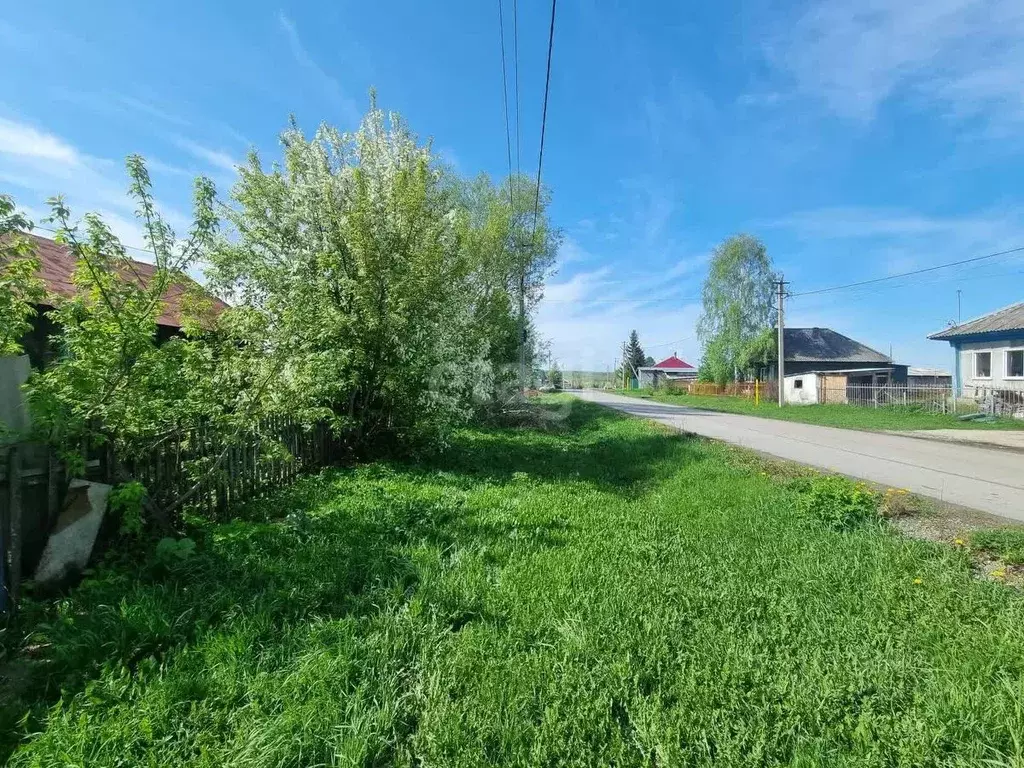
x=988, y=352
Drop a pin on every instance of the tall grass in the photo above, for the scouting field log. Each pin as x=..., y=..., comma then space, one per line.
x=848, y=416
x=594, y=594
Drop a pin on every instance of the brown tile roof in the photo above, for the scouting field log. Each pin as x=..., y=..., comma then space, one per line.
x=57, y=267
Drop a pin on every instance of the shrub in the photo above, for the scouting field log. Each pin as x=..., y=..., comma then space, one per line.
x=838, y=503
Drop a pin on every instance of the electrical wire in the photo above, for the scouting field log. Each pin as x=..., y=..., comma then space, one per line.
x=504, y=99
x=544, y=120
x=515, y=60
x=875, y=280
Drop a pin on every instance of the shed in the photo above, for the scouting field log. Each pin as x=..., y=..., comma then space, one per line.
x=920, y=378
x=857, y=385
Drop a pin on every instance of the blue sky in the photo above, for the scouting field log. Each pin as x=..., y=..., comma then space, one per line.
x=857, y=140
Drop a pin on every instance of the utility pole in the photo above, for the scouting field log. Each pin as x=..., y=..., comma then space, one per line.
x=522, y=331
x=958, y=292
x=624, y=365
x=782, y=344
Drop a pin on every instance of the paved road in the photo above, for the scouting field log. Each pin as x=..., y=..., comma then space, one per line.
x=980, y=478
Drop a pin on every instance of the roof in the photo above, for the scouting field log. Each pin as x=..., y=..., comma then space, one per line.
x=935, y=372
x=825, y=345
x=1009, y=318
x=832, y=372
x=57, y=267
x=672, y=363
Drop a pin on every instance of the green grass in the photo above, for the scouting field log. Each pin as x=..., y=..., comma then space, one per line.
x=1005, y=543
x=845, y=416
x=600, y=593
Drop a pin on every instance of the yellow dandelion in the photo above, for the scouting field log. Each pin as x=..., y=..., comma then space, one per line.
x=919, y=581
x=959, y=542
x=999, y=573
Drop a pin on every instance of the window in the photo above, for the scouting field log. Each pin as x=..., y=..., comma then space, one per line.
x=798, y=384
x=983, y=365
x=1015, y=363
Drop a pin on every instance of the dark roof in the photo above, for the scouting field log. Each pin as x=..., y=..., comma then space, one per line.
x=57, y=267
x=825, y=345
x=672, y=362
x=1009, y=318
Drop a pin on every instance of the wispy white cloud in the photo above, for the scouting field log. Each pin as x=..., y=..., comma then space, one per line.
x=215, y=158
x=586, y=316
x=991, y=229
x=25, y=141
x=962, y=56
x=331, y=87
x=147, y=108
x=36, y=164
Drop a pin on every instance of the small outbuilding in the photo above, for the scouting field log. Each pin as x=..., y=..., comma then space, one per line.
x=928, y=378
x=853, y=385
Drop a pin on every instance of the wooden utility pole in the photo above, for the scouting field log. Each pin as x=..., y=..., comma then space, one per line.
x=522, y=331
x=624, y=366
x=782, y=343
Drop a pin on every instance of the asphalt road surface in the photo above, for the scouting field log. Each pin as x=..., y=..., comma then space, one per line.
x=987, y=479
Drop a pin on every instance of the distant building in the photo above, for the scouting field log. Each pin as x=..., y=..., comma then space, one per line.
x=822, y=350
x=988, y=352
x=670, y=369
x=923, y=378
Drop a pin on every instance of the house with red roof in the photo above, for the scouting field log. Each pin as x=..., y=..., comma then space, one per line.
x=672, y=368
x=56, y=270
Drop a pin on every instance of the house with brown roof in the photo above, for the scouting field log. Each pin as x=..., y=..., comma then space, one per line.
x=56, y=270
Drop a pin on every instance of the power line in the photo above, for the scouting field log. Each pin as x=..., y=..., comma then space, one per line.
x=515, y=58
x=912, y=272
x=544, y=119
x=504, y=99
x=669, y=343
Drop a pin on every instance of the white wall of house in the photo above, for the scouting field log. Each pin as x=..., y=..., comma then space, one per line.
x=801, y=388
x=973, y=360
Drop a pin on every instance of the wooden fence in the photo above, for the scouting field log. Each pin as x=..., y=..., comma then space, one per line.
x=766, y=391
x=195, y=470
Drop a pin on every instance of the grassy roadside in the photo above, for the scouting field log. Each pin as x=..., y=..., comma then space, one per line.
x=599, y=592
x=844, y=416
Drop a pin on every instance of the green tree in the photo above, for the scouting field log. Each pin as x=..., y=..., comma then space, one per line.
x=555, y=376
x=113, y=378
x=737, y=299
x=509, y=260
x=635, y=356
x=20, y=289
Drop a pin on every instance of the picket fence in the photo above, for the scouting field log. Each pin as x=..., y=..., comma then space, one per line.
x=193, y=470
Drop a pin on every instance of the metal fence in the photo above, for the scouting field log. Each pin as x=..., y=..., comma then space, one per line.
x=928, y=399
x=1001, y=400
